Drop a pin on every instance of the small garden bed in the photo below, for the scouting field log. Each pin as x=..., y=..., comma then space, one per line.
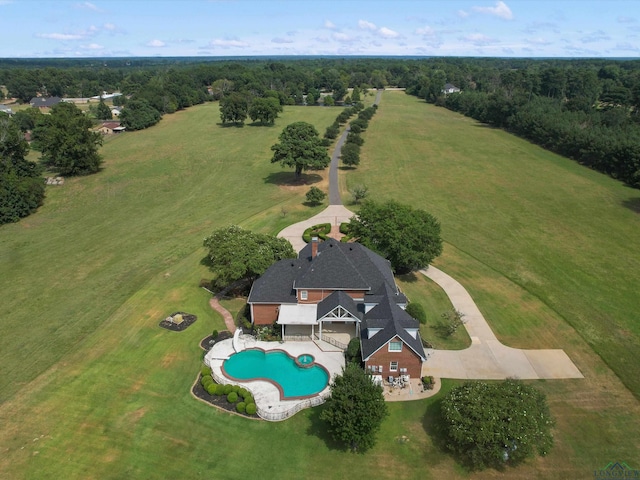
x=178, y=321
x=208, y=342
x=227, y=397
x=321, y=231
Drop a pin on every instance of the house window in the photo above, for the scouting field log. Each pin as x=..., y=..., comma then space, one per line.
x=393, y=366
x=395, y=346
x=304, y=294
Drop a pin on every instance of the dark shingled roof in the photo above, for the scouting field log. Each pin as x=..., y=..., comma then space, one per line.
x=394, y=321
x=338, y=299
x=276, y=284
x=385, y=291
x=44, y=101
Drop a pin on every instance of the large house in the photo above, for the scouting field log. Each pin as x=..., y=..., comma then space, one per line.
x=342, y=284
x=44, y=103
x=450, y=88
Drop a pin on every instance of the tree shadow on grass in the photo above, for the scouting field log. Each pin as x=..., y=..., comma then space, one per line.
x=289, y=179
x=435, y=428
x=410, y=277
x=318, y=428
x=230, y=125
x=347, y=168
x=632, y=204
x=261, y=124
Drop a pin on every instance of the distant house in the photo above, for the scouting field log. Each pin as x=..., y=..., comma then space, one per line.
x=5, y=109
x=115, y=112
x=109, y=128
x=450, y=88
x=44, y=102
x=341, y=287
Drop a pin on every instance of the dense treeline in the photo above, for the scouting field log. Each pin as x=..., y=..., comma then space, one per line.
x=585, y=110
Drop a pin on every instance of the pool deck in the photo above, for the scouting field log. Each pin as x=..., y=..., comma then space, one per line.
x=267, y=395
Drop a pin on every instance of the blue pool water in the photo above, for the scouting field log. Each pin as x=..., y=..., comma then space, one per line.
x=279, y=368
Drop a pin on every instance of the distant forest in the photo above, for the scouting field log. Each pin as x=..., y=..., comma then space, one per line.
x=584, y=109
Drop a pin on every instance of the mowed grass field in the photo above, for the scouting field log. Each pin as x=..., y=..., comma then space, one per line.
x=93, y=388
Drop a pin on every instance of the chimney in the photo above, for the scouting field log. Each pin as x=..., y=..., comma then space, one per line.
x=314, y=247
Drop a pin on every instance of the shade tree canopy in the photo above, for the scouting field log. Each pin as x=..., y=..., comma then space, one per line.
x=66, y=142
x=355, y=410
x=409, y=238
x=265, y=110
x=496, y=424
x=300, y=147
x=234, y=108
x=235, y=254
x=21, y=186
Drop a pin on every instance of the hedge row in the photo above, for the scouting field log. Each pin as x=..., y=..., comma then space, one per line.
x=322, y=231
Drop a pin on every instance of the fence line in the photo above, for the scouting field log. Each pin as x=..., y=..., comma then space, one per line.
x=332, y=341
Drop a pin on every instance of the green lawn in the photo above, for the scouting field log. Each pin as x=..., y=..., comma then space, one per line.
x=91, y=387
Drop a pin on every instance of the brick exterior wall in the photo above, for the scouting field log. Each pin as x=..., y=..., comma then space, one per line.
x=265, y=314
x=407, y=358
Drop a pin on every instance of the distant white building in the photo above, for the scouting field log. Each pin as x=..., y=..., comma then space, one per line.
x=5, y=109
x=450, y=88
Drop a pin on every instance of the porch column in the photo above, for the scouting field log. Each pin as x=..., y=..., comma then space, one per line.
x=282, y=327
x=320, y=323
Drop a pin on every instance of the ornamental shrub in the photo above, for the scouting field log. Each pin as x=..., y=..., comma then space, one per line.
x=243, y=392
x=206, y=380
x=220, y=390
x=214, y=334
x=240, y=407
x=232, y=397
x=235, y=388
x=250, y=409
x=248, y=399
x=228, y=389
x=205, y=371
x=212, y=388
x=416, y=310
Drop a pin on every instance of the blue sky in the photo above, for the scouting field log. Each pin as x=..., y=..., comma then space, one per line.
x=515, y=28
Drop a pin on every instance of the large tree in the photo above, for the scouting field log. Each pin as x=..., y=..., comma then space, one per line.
x=300, y=147
x=21, y=186
x=66, y=143
x=265, y=110
x=235, y=253
x=496, y=424
x=355, y=410
x=409, y=238
x=234, y=108
x=139, y=114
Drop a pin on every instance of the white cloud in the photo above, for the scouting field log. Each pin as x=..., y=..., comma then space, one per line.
x=500, y=10
x=624, y=19
x=227, y=43
x=364, y=25
x=388, y=33
x=427, y=31
x=155, y=43
x=538, y=41
x=628, y=47
x=93, y=46
x=596, y=36
x=88, y=6
x=462, y=14
x=330, y=25
x=478, y=39
x=281, y=40
x=60, y=36
x=342, y=37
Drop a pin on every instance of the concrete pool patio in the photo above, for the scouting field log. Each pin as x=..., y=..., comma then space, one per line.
x=269, y=404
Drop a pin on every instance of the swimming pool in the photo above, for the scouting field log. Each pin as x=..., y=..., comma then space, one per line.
x=278, y=368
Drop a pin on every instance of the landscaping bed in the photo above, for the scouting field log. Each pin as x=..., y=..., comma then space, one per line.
x=209, y=341
x=178, y=321
x=222, y=400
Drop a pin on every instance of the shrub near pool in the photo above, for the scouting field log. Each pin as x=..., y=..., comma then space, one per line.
x=232, y=397
x=250, y=409
x=240, y=407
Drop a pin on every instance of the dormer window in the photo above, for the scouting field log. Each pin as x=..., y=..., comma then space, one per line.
x=304, y=294
x=395, y=346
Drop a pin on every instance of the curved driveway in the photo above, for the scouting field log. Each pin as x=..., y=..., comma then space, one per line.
x=486, y=358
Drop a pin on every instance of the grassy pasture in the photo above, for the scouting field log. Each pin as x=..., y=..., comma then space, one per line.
x=107, y=394
x=566, y=235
